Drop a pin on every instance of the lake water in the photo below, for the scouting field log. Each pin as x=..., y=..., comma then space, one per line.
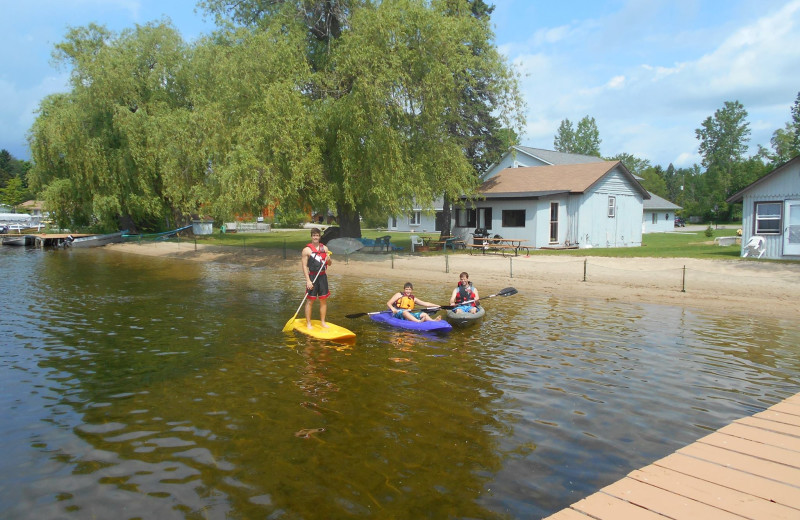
x=136, y=387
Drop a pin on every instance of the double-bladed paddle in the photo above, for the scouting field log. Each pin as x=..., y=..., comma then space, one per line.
x=508, y=291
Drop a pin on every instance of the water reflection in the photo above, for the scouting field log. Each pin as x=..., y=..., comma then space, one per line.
x=166, y=388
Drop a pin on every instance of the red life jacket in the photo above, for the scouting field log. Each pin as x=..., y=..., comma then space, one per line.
x=317, y=259
x=465, y=294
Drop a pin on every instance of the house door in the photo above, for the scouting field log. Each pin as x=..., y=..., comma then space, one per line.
x=791, y=234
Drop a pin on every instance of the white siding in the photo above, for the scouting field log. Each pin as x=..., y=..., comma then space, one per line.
x=665, y=221
x=509, y=160
x=597, y=229
x=779, y=188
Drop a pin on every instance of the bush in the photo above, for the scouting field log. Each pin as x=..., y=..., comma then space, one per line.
x=709, y=231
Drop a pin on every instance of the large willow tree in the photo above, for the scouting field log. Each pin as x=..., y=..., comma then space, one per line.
x=352, y=105
x=385, y=97
x=110, y=149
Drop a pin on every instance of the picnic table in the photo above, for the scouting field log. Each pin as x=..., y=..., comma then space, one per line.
x=504, y=246
x=451, y=241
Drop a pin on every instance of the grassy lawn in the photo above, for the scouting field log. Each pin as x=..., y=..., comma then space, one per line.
x=681, y=244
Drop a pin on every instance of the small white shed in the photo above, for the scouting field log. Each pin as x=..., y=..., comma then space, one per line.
x=771, y=209
x=202, y=227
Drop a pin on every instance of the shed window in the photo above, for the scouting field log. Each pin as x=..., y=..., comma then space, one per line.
x=513, y=218
x=612, y=206
x=768, y=218
x=414, y=218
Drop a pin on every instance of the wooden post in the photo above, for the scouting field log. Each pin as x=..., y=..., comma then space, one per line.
x=585, y=260
x=684, y=279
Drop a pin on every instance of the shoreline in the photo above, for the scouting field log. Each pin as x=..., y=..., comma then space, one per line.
x=739, y=287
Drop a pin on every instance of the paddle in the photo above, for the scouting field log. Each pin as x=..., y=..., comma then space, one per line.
x=288, y=326
x=359, y=314
x=508, y=291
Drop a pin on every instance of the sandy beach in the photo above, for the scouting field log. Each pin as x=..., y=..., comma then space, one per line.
x=728, y=286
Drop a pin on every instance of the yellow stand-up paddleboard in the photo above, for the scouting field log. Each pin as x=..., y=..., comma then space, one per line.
x=331, y=332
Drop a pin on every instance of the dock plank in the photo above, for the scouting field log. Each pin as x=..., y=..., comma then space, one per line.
x=741, y=444
x=747, y=469
x=779, y=417
x=606, y=507
x=775, y=426
x=745, y=463
x=731, y=500
x=664, y=502
x=761, y=487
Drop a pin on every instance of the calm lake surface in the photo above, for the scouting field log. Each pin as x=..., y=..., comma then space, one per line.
x=136, y=387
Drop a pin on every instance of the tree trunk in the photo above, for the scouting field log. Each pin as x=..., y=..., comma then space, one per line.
x=349, y=221
x=446, y=215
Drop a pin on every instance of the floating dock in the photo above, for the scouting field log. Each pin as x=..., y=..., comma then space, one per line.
x=748, y=469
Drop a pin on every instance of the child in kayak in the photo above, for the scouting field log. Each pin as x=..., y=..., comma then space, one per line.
x=402, y=306
x=465, y=296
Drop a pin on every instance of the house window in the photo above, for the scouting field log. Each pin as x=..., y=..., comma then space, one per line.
x=553, y=222
x=414, y=219
x=768, y=218
x=465, y=217
x=612, y=206
x=484, y=218
x=394, y=223
x=666, y=217
x=513, y=218
x=655, y=219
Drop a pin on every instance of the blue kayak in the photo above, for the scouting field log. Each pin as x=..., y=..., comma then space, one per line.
x=386, y=317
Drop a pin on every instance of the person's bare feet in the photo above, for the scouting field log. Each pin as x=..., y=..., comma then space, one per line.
x=324, y=325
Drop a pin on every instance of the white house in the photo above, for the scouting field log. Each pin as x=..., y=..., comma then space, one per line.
x=771, y=209
x=592, y=204
x=658, y=215
x=421, y=220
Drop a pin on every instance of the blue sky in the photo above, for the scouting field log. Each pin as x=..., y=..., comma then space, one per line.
x=648, y=71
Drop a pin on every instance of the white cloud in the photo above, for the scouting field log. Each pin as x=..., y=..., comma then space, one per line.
x=755, y=62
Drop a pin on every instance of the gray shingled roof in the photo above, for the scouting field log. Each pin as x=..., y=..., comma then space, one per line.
x=556, y=158
x=657, y=202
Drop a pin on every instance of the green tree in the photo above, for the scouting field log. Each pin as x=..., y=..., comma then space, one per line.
x=564, y=140
x=14, y=192
x=116, y=135
x=387, y=97
x=634, y=164
x=653, y=180
x=723, y=143
x=786, y=141
x=584, y=140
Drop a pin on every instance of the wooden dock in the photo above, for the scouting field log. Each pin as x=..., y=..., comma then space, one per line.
x=748, y=469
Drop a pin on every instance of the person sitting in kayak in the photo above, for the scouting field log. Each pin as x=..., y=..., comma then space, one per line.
x=402, y=306
x=465, y=296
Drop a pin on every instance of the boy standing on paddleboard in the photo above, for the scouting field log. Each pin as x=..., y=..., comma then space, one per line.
x=314, y=261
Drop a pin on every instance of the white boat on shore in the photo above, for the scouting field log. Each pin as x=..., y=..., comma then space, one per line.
x=94, y=240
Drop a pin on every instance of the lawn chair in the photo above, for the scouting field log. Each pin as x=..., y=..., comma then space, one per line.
x=756, y=246
x=416, y=241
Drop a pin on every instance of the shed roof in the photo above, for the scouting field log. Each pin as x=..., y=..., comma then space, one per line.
x=540, y=181
x=657, y=202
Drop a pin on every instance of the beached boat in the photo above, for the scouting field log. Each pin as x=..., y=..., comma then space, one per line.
x=386, y=317
x=19, y=240
x=462, y=319
x=94, y=240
